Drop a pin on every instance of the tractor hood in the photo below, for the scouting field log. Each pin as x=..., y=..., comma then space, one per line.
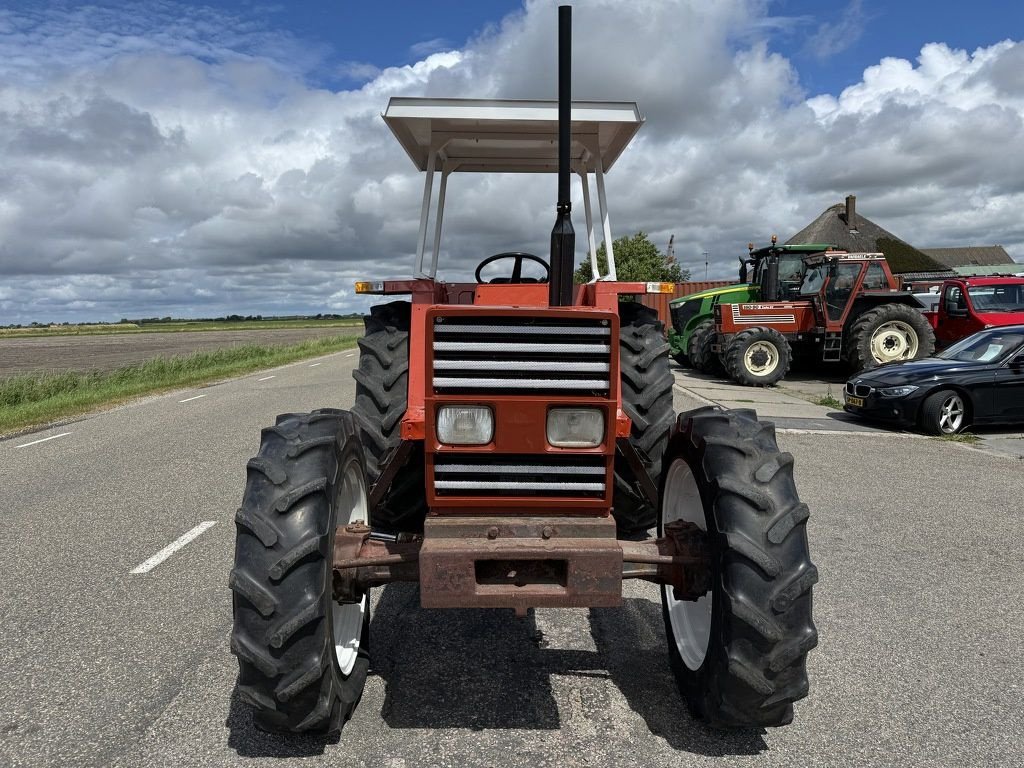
x=710, y=293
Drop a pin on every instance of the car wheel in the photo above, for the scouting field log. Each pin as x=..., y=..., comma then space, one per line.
x=945, y=413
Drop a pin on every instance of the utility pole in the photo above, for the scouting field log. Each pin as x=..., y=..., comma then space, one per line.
x=670, y=252
x=705, y=266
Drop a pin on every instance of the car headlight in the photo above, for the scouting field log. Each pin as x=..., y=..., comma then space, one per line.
x=465, y=425
x=575, y=427
x=897, y=391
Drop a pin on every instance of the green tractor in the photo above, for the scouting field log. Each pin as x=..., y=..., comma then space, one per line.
x=693, y=324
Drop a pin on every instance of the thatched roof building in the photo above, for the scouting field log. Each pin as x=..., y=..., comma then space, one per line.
x=842, y=226
x=971, y=256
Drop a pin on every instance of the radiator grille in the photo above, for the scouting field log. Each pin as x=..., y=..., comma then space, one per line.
x=858, y=389
x=503, y=475
x=540, y=355
x=681, y=313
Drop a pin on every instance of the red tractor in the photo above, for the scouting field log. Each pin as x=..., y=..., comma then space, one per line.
x=510, y=444
x=849, y=308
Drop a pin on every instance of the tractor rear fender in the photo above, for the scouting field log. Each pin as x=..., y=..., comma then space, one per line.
x=868, y=301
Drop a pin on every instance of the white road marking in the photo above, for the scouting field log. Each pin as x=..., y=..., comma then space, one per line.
x=350, y=354
x=694, y=395
x=265, y=378
x=844, y=432
x=43, y=440
x=188, y=399
x=173, y=547
x=314, y=365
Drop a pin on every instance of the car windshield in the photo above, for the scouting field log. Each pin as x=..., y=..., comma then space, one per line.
x=985, y=347
x=997, y=298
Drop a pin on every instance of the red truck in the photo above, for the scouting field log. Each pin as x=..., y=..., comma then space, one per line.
x=966, y=305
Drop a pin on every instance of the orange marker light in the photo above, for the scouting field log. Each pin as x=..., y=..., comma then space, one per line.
x=366, y=286
x=661, y=287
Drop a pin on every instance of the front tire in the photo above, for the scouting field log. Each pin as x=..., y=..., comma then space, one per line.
x=701, y=355
x=945, y=413
x=382, y=394
x=302, y=658
x=759, y=357
x=647, y=399
x=739, y=654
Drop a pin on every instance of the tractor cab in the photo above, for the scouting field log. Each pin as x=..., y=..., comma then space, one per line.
x=778, y=270
x=834, y=281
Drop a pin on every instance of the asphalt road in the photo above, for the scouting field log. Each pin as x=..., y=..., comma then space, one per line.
x=34, y=354
x=919, y=611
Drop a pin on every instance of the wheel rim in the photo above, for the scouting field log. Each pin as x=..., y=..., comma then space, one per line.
x=690, y=620
x=894, y=340
x=951, y=416
x=347, y=620
x=761, y=358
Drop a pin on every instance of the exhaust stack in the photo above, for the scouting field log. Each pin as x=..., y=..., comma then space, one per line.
x=563, y=237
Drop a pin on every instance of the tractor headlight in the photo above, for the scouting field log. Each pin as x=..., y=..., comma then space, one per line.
x=897, y=391
x=575, y=427
x=465, y=425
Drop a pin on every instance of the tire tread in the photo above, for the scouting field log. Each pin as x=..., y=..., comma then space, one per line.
x=646, y=380
x=280, y=579
x=756, y=662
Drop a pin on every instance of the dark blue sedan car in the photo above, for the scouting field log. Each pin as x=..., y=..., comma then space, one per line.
x=979, y=380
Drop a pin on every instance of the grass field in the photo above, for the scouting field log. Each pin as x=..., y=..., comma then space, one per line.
x=30, y=400
x=100, y=329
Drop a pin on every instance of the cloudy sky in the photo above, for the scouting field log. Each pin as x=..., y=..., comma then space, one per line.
x=191, y=159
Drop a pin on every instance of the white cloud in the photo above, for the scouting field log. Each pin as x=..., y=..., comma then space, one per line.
x=155, y=165
x=834, y=38
x=425, y=48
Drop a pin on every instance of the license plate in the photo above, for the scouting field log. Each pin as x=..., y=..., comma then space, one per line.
x=855, y=401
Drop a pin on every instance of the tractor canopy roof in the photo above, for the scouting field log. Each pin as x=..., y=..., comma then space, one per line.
x=510, y=136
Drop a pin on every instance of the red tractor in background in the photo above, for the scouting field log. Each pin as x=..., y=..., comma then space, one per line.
x=510, y=443
x=849, y=308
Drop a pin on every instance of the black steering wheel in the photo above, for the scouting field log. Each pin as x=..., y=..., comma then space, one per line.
x=517, y=269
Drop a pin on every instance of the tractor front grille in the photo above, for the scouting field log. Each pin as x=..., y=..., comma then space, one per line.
x=538, y=355
x=510, y=475
x=683, y=312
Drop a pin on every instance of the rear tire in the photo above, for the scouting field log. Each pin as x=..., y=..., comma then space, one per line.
x=758, y=357
x=302, y=658
x=739, y=654
x=701, y=356
x=945, y=413
x=886, y=334
x=382, y=395
x=647, y=399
